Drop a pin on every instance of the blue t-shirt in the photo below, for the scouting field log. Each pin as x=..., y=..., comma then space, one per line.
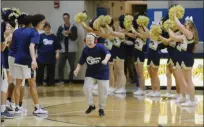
x=27, y=36
x=2, y=40
x=47, y=48
x=15, y=42
x=93, y=58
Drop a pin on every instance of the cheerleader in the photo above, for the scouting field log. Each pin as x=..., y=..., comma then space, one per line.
x=153, y=64
x=188, y=42
x=171, y=48
x=139, y=49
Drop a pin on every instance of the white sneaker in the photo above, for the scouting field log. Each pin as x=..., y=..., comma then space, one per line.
x=166, y=95
x=39, y=111
x=95, y=87
x=23, y=110
x=173, y=96
x=111, y=89
x=150, y=93
x=120, y=91
x=187, y=97
x=95, y=92
x=180, y=100
x=18, y=111
x=189, y=103
x=139, y=92
x=156, y=94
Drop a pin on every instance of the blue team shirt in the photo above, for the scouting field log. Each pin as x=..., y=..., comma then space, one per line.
x=27, y=36
x=47, y=48
x=93, y=57
x=15, y=42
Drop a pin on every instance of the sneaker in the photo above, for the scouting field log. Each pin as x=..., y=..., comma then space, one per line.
x=101, y=112
x=166, y=95
x=156, y=94
x=23, y=110
x=120, y=91
x=18, y=111
x=95, y=87
x=150, y=93
x=60, y=83
x=39, y=111
x=111, y=89
x=173, y=96
x=188, y=104
x=6, y=115
x=90, y=109
x=139, y=92
x=9, y=108
x=95, y=92
x=180, y=100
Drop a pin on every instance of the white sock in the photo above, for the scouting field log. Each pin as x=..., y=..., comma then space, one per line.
x=37, y=106
x=3, y=108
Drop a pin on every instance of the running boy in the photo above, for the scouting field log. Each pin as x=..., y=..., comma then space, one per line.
x=96, y=57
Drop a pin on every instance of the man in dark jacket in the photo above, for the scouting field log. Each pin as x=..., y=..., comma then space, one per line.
x=67, y=36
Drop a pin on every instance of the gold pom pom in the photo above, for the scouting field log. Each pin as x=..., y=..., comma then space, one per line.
x=107, y=19
x=97, y=24
x=170, y=24
x=101, y=20
x=179, y=10
x=5, y=9
x=80, y=17
x=143, y=21
x=17, y=10
x=128, y=22
x=155, y=32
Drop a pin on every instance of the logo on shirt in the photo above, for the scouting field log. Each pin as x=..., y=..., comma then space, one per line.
x=47, y=42
x=90, y=60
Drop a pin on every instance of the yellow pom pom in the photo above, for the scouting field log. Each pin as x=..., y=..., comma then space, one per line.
x=80, y=17
x=17, y=10
x=142, y=21
x=4, y=9
x=170, y=24
x=179, y=10
x=128, y=22
x=97, y=24
x=107, y=19
x=155, y=31
x=101, y=19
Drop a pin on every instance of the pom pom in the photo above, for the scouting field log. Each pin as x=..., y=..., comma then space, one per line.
x=97, y=24
x=155, y=32
x=16, y=10
x=5, y=9
x=170, y=24
x=80, y=17
x=128, y=22
x=143, y=20
x=178, y=9
x=107, y=19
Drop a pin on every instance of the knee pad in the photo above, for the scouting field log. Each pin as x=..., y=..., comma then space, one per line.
x=4, y=85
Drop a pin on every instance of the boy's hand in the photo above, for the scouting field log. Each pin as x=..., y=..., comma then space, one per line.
x=104, y=62
x=76, y=73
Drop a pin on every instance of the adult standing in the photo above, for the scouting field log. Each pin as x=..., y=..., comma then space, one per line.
x=67, y=36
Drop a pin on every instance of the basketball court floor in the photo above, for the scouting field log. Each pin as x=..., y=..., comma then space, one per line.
x=67, y=104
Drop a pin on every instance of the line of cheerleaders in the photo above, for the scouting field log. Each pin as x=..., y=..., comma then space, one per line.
x=179, y=39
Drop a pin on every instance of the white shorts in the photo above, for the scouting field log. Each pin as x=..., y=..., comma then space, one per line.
x=22, y=72
x=11, y=64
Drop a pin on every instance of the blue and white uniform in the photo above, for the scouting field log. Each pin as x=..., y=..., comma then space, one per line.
x=96, y=72
x=139, y=49
x=187, y=53
x=153, y=53
x=118, y=48
x=23, y=58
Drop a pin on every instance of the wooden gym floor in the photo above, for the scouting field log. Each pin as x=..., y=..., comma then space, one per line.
x=67, y=104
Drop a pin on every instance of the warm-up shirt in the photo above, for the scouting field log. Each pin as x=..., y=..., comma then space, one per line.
x=28, y=36
x=93, y=57
x=47, y=48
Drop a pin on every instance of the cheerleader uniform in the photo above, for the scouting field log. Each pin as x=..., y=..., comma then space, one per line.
x=109, y=45
x=139, y=49
x=118, y=49
x=187, y=53
x=153, y=53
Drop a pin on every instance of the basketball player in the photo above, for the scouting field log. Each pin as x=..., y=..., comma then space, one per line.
x=96, y=57
x=25, y=62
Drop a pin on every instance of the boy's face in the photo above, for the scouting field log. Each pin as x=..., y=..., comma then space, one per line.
x=90, y=41
x=47, y=29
